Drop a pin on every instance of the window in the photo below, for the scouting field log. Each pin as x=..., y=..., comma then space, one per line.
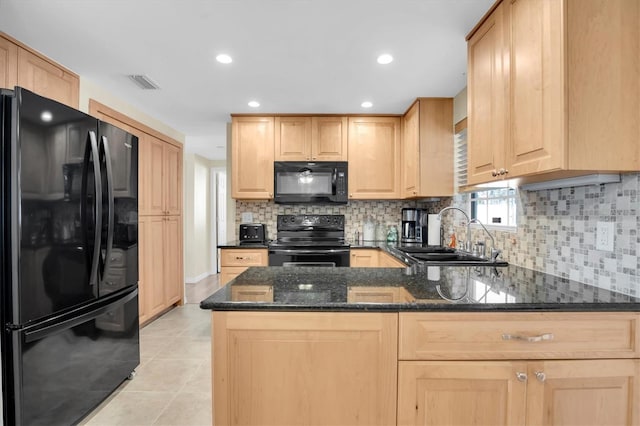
x=495, y=207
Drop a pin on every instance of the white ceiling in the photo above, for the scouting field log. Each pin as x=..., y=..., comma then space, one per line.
x=294, y=56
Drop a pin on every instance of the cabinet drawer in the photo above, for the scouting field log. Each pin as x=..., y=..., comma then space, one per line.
x=227, y=273
x=427, y=336
x=243, y=257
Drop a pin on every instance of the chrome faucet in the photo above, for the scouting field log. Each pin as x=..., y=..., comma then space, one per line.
x=467, y=244
x=494, y=251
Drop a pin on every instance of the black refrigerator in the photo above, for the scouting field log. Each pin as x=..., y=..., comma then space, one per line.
x=69, y=259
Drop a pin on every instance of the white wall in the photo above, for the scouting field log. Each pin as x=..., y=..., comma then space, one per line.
x=199, y=246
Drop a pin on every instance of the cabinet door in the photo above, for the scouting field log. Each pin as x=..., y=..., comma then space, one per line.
x=293, y=138
x=374, y=158
x=599, y=392
x=252, y=154
x=227, y=273
x=154, y=179
x=486, y=95
x=410, y=151
x=298, y=368
x=8, y=64
x=46, y=79
x=329, y=138
x=172, y=175
x=173, y=284
x=364, y=258
x=152, y=263
x=461, y=393
x=537, y=140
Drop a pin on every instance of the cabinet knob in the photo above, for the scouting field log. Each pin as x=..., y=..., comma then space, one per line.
x=522, y=377
x=313, y=158
x=350, y=195
x=494, y=173
x=540, y=376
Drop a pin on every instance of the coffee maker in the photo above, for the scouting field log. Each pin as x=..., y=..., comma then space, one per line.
x=414, y=226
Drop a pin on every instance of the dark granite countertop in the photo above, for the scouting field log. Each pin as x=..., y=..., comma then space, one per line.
x=439, y=288
x=239, y=245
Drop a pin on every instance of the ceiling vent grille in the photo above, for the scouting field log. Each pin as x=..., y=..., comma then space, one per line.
x=144, y=82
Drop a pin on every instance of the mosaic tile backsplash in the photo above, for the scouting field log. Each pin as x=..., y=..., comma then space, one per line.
x=556, y=229
x=557, y=233
x=356, y=212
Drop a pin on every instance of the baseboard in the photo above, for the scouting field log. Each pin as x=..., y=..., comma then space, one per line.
x=200, y=277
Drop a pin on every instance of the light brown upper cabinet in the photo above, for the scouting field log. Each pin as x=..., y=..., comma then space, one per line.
x=310, y=138
x=21, y=66
x=374, y=158
x=161, y=170
x=252, y=156
x=8, y=63
x=486, y=98
x=570, y=87
x=329, y=138
x=427, y=149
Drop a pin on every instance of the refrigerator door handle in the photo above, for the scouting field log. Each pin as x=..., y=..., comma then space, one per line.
x=93, y=279
x=31, y=336
x=110, y=205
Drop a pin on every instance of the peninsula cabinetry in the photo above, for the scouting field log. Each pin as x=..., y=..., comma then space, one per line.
x=288, y=368
x=567, y=106
x=22, y=66
x=374, y=158
x=427, y=149
x=518, y=368
x=252, y=156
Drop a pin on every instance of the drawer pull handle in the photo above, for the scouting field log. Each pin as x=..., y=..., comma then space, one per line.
x=522, y=377
x=541, y=376
x=239, y=258
x=533, y=339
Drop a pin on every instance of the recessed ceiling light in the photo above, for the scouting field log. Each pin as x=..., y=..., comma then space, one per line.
x=46, y=116
x=385, y=59
x=254, y=104
x=366, y=104
x=224, y=58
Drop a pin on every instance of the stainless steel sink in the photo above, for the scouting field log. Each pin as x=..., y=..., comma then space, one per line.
x=433, y=255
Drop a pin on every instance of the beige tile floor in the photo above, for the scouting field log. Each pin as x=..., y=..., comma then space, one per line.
x=172, y=385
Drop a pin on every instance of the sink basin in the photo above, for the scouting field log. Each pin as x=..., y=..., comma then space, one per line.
x=426, y=249
x=435, y=255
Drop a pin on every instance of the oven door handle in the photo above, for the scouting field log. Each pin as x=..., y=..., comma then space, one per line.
x=310, y=251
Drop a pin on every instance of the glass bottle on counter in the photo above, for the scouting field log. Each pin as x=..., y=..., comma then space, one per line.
x=392, y=235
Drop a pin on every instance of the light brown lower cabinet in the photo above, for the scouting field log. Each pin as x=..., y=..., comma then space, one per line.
x=233, y=262
x=373, y=258
x=451, y=368
x=160, y=283
x=571, y=392
x=304, y=368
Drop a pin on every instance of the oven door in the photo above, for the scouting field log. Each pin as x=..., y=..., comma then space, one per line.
x=330, y=257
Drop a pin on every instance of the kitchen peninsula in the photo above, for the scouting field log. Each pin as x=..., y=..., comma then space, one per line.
x=436, y=345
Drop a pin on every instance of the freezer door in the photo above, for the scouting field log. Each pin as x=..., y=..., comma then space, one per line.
x=119, y=174
x=71, y=365
x=52, y=210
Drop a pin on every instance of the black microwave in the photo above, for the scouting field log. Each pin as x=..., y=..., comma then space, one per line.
x=320, y=182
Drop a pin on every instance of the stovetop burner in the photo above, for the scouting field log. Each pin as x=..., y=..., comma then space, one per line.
x=310, y=230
